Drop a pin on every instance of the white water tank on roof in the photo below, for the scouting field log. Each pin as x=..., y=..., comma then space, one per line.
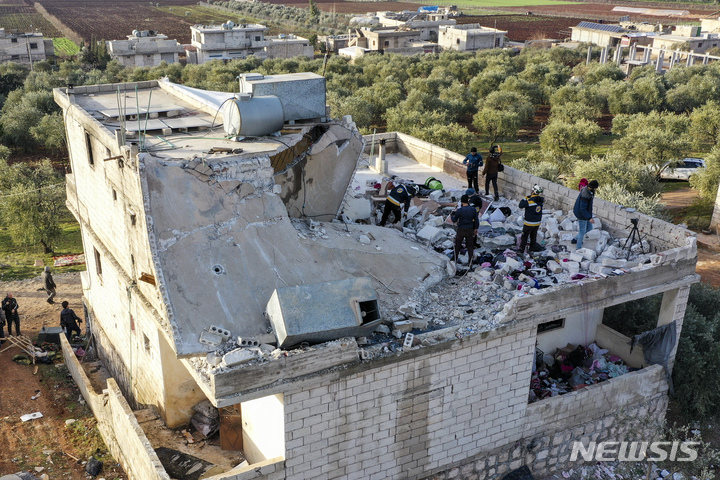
x=250, y=116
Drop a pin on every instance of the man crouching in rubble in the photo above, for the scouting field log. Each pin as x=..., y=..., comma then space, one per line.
x=398, y=196
x=467, y=221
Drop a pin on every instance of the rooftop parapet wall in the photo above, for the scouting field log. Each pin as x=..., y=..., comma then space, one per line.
x=514, y=183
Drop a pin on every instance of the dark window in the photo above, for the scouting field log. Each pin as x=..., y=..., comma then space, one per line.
x=15, y=57
x=98, y=262
x=114, y=194
x=548, y=326
x=386, y=43
x=257, y=38
x=33, y=46
x=88, y=144
x=458, y=41
x=133, y=219
x=13, y=40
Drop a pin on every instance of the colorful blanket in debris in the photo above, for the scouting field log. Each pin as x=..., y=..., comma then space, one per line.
x=68, y=260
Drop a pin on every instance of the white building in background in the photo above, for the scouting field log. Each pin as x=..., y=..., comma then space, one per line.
x=145, y=48
x=288, y=46
x=227, y=41
x=25, y=47
x=470, y=37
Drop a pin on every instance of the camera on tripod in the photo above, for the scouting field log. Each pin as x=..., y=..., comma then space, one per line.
x=634, y=221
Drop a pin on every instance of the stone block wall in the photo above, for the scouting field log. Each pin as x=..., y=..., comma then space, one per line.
x=715, y=221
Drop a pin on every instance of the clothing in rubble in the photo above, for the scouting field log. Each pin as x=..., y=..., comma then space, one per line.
x=467, y=221
x=583, y=211
x=69, y=321
x=10, y=307
x=399, y=195
x=49, y=284
x=473, y=161
x=533, y=205
x=657, y=346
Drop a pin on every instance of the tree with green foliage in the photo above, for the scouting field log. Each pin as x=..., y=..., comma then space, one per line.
x=706, y=181
x=568, y=138
x=614, y=167
x=705, y=124
x=572, y=112
x=21, y=112
x=50, y=132
x=33, y=196
x=497, y=123
x=652, y=139
x=314, y=10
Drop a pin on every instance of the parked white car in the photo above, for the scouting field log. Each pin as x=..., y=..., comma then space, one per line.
x=684, y=169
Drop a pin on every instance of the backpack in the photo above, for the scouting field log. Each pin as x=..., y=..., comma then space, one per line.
x=433, y=184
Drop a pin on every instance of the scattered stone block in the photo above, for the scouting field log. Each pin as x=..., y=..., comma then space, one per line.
x=419, y=323
x=239, y=355
x=214, y=359
x=571, y=267
x=598, y=268
x=382, y=329
x=566, y=225
x=512, y=263
x=554, y=266
x=403, y=326
x=430, y=233
x=407, y=343
x=364, y=239
x=576, y=257
x=587, y=253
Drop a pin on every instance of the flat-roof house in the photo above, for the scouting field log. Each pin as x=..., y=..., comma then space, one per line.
x=470, y=37
x=335, y=349
x=25, y=47
x=146, y=48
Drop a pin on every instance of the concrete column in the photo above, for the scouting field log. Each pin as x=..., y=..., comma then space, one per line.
x=646, y=56
x=672, y=308
x=673, y=59
x=715, y=221
x=690, y=60
x=706, y=58
x=633, y=51
x=589, y=55
x=618, y=55
x=660, y=61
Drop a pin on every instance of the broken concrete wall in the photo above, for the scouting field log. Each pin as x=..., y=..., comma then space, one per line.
x=117, y=424
x=316, y=185
x=579, y=329
x=263, y=428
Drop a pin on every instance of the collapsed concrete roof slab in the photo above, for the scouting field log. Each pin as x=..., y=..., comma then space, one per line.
x=221, y=256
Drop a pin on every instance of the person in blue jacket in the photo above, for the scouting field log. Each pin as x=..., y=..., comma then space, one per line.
x=467, y=221
x=533, y=206
x=398, y=196
x=473, y=161
x=583, y=211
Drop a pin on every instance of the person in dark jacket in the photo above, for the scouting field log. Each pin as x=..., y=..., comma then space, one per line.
x=69, y=321
x=491, y=171
x=49, y=284
x=533, y=205
x=473, y=161
x=583, y=211
x=398, y=196
x=10, y=307
x=467, y=221
x=2, y=326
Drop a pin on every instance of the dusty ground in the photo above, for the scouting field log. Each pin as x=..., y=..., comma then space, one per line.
x=49, y=444
x=44, y=445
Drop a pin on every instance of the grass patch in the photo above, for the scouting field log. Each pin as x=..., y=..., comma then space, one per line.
x=27, y=22
x=64, y=47
x=670, y=186
x=17, y=262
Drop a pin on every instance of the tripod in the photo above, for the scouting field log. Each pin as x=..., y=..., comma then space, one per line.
x=633, y=238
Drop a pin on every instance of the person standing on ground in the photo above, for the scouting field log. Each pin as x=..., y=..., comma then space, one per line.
x=49, y=284
x=398, y=196
x=583, y=211
x=533, y=205
x=491, y=170
x=69, y=321
x=473, y=161
x=10, y=307
x=2, y=326
x=467, y=221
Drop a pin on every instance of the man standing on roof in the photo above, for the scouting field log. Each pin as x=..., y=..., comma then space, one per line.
x=473, y=161
x=583, y=211
x=533, y=205
x=49, y=285
x=398, y=196
x=467, y=221
x=492, y=167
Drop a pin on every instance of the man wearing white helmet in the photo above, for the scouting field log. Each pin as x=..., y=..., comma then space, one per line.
x=398, y=196
x=533, y=205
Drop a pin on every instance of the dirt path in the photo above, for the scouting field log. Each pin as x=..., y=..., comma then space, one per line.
x=47, y=444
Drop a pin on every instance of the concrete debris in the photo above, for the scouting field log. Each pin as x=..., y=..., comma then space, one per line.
x=214, y=336
x=240, y=355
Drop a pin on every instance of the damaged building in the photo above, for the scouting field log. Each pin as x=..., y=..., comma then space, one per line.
x=218, y=275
